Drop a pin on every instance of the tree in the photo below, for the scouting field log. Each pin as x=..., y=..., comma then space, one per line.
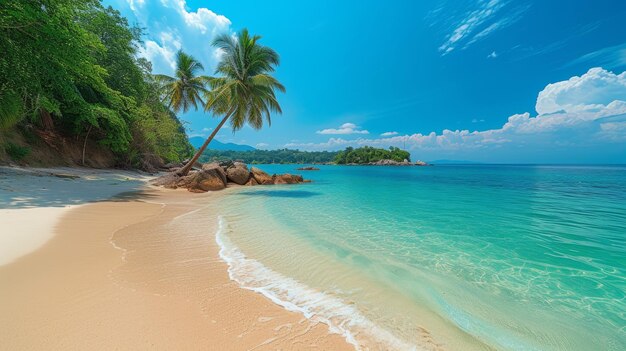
x=68, y=68
x=184, y=90
x=244, y=90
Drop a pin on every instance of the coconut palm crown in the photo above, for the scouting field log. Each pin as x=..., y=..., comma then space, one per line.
x=186, y=89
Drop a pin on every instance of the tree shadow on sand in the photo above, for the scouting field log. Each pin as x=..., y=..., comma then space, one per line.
x=28, y=191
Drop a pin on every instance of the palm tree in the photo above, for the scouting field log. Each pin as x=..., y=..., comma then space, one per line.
x=244, y=90
x=186, y=89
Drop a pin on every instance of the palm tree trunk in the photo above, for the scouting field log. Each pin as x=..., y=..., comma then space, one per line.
x=85, y=143
x=185, y=170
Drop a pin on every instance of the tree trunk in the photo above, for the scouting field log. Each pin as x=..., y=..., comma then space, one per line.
x=46, y=120
x=185, y=170
x=85, y=143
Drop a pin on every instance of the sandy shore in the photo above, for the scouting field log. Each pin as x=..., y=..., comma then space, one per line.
x=33, y=200
x=122, y=275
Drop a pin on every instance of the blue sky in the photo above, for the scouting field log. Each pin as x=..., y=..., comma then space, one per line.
x=490, y=81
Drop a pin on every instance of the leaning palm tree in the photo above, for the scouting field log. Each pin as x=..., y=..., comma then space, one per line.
x=244, y=90
x=184, y=90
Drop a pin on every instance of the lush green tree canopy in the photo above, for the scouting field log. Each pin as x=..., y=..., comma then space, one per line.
x=70, y=66
x=368, y=154
x=270, y=156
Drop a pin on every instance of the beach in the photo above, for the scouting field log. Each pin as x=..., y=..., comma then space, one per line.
x=464, y=258
x=114, y=274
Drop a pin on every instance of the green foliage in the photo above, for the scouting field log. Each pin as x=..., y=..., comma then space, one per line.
x=269, y=156
x=16, y=152
x=10, y=110
x=245, y=88
x=184, y=90
x=367, y=154
x=75, y=60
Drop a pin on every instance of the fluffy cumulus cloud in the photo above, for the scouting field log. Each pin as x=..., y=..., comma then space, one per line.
x=582, y=112
x=594, y=90
x=170, y=26
x=346, y=128
x=388, y=134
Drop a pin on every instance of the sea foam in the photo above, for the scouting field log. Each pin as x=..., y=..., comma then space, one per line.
x=319, y=307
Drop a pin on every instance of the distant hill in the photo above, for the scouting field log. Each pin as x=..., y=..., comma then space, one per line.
x=217, y=145
x=270, y=156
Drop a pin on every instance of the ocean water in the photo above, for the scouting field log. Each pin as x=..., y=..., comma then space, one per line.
x=445, y=257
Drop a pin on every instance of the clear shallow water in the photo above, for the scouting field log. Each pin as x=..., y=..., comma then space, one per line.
x=462, y=257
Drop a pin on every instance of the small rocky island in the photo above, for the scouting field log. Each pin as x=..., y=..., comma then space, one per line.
x=308, y=168
x=217, y=176
x=406, y=162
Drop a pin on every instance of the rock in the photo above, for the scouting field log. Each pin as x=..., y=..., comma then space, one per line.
x=173, y=165
x=252, y=182
x=420, y=163
x=195, y=165
x=238, y=173
x=308, y=169
x=216, y=176
x=261, y=177
x=390, y=163
x=66, y=175
x=226, y=164
x=185, y=182
x=285, y=179
x=240, y=164
x=168, y=180
x=206, y=180
x=216, y=166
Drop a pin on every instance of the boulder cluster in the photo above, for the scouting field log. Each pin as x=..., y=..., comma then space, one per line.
x=217, y=176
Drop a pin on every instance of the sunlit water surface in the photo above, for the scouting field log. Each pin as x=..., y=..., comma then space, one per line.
x=458, y=257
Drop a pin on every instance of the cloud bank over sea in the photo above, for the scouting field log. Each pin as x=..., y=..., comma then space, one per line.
x=576, y=114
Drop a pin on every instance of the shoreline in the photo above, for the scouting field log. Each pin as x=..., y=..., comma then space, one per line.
x=133, y=283
x=33, y=201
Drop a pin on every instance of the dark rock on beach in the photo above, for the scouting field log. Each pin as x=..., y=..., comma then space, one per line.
x=206, y=180
x=261, y=177
x=217, y=176
x=238, y=173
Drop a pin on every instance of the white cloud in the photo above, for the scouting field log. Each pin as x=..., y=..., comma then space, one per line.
x=593, y=90
x=610, y=57
x=492, y=55
x=479, y=22
x=262, y=145
x=134, y=4
x=170, y=27
x=581, y=111
x=388, y=134
x=346, y=128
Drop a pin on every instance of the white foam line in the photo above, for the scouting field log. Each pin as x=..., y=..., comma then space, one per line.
x=340, y=317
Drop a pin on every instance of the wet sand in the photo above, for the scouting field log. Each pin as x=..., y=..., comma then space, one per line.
x=132, y=274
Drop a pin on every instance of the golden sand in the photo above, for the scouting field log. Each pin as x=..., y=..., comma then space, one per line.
x=117, y=275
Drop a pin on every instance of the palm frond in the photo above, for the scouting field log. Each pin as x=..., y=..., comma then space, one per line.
x=244, y=87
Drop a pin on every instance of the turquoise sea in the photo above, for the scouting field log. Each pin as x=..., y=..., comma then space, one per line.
x=454, y=257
